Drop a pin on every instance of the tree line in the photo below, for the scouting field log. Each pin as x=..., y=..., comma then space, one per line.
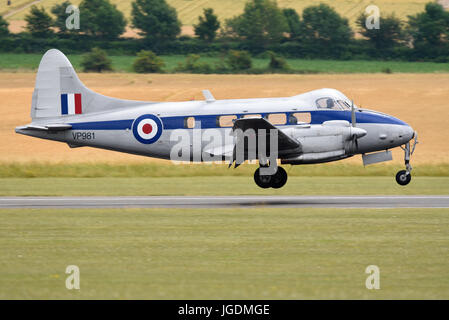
x=318, y=32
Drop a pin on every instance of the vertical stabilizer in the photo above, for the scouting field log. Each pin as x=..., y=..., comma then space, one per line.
x=59, y=92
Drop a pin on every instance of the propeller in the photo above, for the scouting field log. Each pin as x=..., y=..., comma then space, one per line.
x=353, y=118
x=355, y=132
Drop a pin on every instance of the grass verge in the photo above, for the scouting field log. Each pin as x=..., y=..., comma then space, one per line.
x=22, y=61
x=218, y=186
x=225, y=253
x=158, y=169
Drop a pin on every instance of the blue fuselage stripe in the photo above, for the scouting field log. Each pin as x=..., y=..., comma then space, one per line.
x=319, y=117
x=103, y=125
x=210, y=121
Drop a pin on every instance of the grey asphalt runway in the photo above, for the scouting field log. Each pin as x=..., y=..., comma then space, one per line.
x=228, y=201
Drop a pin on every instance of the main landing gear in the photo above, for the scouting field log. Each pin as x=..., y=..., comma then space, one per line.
x=276, y=181
x=404, y=177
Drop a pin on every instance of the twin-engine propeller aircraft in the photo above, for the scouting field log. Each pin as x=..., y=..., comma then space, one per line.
x=314, y=127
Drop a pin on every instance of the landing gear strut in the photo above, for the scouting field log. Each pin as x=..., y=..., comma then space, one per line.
x=276, y=181
x=404, y=177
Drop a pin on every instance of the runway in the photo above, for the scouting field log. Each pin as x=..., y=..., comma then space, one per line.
x=228, y=202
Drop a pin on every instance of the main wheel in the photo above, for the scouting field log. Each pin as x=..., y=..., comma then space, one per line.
x=262, y=180
x=279, y=178
x=403, y=178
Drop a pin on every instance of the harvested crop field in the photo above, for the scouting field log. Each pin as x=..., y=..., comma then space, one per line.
x=422, y=100
x=189, y=10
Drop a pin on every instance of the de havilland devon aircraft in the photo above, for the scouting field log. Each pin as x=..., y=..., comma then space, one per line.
x=315, y=127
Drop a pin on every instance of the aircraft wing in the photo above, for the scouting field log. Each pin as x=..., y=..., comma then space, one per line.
x=285, y=143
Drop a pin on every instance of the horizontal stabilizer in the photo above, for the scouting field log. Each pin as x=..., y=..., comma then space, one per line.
x=48, y=127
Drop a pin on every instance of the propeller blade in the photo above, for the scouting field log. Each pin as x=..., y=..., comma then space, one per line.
x=353, y=118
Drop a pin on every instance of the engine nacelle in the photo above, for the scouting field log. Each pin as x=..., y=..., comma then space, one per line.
x=332, y=140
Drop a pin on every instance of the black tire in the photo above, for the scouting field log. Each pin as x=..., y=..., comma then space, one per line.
x=262, y=181
x=279, y=178
x=403, y=178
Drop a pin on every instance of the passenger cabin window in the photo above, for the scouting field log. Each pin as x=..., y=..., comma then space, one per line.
x=189, y=122
x=300, y=117
x=277, y=118
x=226, y=121
x=247, y=116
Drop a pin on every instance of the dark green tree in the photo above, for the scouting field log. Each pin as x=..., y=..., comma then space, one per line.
x=102, y=19
x=207, y=26
x=389, y=34
x=148, y=62
x=293, y=22
x=324, y=31
x=59, y=11
x=39, y=22
x=262, y=23
x=96, y=60
x=155, y=19
x=277, y=63
x=4, y=31
x=430, y=32
x=238, y=60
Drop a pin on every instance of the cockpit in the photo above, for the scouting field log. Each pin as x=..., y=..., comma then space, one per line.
x=332, y=104
x=325, y=99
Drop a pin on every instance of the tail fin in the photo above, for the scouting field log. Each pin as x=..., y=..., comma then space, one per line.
x=59, y=92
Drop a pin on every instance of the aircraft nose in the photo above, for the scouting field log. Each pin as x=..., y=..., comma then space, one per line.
x=406, y=134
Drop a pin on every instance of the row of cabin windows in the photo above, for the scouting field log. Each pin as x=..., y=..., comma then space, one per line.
x=274, y=118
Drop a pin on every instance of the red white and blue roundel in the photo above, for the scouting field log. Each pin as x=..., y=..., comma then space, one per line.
x=147, y=128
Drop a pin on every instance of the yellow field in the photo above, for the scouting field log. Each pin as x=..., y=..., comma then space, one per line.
x=422, y=100
x=189, y=10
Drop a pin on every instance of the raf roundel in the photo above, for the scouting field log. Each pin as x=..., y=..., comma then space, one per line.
x=147, y=129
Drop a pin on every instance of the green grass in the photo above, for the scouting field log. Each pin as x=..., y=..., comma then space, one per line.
x=46, y=179
x=225, y=253
x=154, y=170
x=218, y=186
x=13, y=61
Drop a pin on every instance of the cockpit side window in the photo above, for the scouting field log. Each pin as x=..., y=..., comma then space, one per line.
x=325, y=103
x=331, y=104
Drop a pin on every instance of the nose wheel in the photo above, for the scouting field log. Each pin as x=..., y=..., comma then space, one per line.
x=276, y=181
x=403, y=177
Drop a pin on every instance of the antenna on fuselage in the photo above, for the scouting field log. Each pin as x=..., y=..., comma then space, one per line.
x=208, y=96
